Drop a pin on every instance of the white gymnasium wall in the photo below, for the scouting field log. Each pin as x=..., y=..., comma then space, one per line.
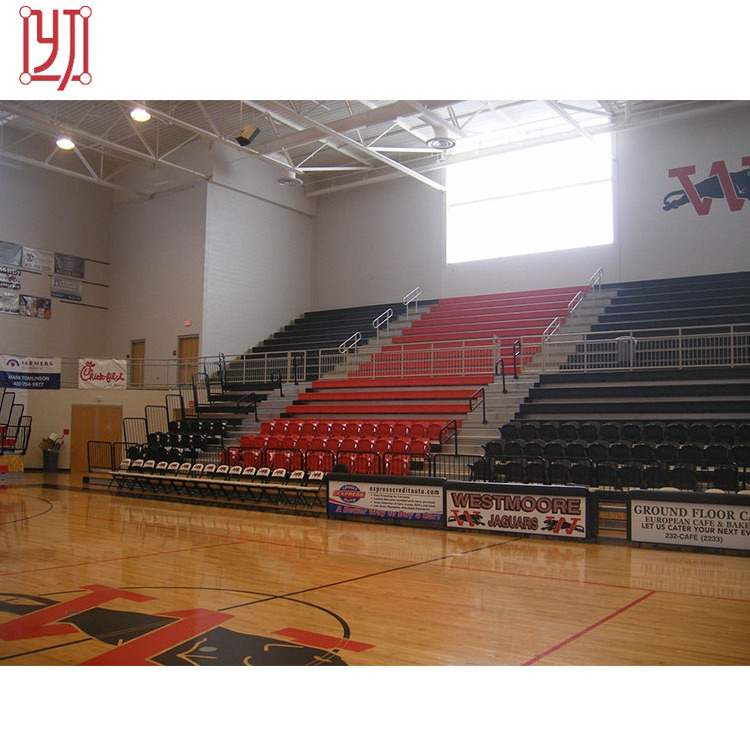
x=374, y=243
x=679, y=242
x=157, y=271
x=47, y=211
x=258, y=254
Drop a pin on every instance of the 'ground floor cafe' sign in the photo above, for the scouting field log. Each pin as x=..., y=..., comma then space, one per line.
x=689, y=519
x=559, y=512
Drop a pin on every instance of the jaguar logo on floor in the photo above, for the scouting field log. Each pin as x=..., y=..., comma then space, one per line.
x=199, y=637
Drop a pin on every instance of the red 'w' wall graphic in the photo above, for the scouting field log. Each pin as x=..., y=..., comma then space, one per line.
x=734, y=187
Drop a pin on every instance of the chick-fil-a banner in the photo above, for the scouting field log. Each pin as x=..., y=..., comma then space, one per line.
x=102, y=373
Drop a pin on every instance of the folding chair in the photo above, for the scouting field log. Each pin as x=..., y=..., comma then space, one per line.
x=290, y=492
x=119, y=476
x=181, y=477
x=312, y=491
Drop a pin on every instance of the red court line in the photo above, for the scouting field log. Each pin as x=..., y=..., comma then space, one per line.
x=572, y=638
x=318, y=640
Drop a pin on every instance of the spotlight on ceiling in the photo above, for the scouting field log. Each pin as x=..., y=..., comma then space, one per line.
x=440, y=140
x=289, y=178
x=247, y=135
x=140, y=115
x=65, y=143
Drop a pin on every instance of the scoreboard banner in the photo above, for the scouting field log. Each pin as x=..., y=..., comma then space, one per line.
x=689, y=519
x=559, y=512
x=386, y=498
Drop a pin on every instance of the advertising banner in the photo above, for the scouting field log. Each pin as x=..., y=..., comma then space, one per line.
x=30, y=372
x=71, y=289
x=38, y=260
x=560, y=512
x=102, y=373
x=386, y=498
x=694, y=519
x=35, y=307
x=69, y=265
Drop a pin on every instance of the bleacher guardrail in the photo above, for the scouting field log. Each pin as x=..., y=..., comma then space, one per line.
x=696, y=346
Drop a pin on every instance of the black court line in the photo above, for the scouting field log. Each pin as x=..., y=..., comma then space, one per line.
x=372, y=575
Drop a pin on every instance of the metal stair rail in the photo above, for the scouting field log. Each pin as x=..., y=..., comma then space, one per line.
x=412, y=296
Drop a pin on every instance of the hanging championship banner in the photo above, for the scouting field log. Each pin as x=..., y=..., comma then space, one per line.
x=30, y=372
x=10, y=253
x=38, y=260
x=71, y=289
x=9, y=302
x=102, y=373
x=10, y=278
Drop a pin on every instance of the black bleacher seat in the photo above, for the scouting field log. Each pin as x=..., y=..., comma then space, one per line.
x=653, y=432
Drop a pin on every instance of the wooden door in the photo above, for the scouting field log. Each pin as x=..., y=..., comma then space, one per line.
x=92, y=423
x=137, y=355
x=187, y=358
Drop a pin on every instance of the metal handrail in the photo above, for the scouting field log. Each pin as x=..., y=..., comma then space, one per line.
x=412, y=296
x=350, y=343
x=382, y=320
x=448, y=431
x=479, y=397
x=501, y=363
x=551, y=328
x=517, y=351
x=579, y=297
x=595, y=282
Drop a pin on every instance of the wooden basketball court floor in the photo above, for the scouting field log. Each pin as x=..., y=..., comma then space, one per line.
x=89, y=577
x=93, y=578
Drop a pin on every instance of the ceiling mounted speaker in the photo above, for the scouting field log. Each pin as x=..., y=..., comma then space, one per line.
x=290, y=178
x=247, y=135
x=441, y=141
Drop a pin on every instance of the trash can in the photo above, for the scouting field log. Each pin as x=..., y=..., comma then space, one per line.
x=50, y=459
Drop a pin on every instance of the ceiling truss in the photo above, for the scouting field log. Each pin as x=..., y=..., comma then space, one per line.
x=329, y=145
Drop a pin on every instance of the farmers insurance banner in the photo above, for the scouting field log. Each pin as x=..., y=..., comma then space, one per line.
x=101, y=373
x=559, y=512
x=30, y=372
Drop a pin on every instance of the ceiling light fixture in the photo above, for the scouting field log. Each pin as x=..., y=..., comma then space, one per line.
x=290, y=178
x=440, y=141
x=65, y=143
x=140, y=115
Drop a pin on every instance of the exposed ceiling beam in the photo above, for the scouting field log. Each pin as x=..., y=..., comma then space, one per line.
x=357, y=145
x=376, y=116
x=209, y=135
x=276, y=117
x=430, y=117
x=576, y=125
x=55, y=126
x=70, y=173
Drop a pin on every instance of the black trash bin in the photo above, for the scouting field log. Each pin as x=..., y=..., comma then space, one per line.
x=50, y=459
